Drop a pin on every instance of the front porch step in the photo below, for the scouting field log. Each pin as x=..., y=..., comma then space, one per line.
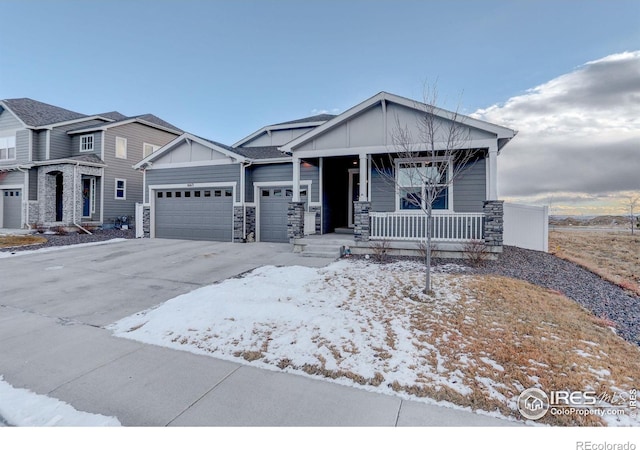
x=321, y=246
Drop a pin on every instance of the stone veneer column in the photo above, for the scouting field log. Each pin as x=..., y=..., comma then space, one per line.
x=238, y=224
x=361, y=222
x=250, y=219
x=295, y=220
x=493, y=222
x=146, y=221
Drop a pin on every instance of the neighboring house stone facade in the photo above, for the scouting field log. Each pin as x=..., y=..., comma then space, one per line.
x=63, y=168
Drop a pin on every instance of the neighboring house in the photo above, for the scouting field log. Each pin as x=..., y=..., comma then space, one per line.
x=63, y=168
x=318, y=175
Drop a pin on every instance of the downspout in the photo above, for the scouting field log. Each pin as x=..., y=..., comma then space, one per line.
x=75, y=198
x=244, y=197
x=27, y=189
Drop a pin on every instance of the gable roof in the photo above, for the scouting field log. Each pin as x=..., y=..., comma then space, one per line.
x=306, y=122
x=260, y=153
x=113, y=115
x=316, y=118
x=503, y=134
x=221, y=148
x=35, y=114
x=146, y=119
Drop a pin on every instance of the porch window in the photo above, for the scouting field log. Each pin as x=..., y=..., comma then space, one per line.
x=413, y=178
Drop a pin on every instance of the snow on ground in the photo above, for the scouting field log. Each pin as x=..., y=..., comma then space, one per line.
x=349, y=321
x=20, y=407
x=352, y=322
x=9, y=254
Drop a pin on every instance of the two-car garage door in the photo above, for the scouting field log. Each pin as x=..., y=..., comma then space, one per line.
x=202, y=214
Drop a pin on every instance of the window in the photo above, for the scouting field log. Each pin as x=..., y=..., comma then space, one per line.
x=196, y=193
x=121, y=148
x=121, y=189
x=159, y=194
x=413, y=178
x=207, y=193
x=187, y=194
x=86, y=143
x=148, y=149
x=7, y=148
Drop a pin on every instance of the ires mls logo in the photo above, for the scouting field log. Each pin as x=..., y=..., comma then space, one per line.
x=534, y=403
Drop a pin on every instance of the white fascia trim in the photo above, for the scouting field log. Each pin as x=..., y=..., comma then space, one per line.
x=113, y=124
x=184, y=138
x=47, y=145
x=270, y=128
x=501, y=132
x=193, y=164
x=52, y=162
x=380, y=149
x=287, y=159
x=70, y=122
x=12, y=186
x=7, y=108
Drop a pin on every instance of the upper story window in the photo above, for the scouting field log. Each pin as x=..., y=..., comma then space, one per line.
x=86, y=143
x=121, y=148
x=148, y=149
x=7, y=148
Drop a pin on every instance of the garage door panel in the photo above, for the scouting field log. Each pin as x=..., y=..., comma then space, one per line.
x=274, y=206
x=11, y=208
x=201, y=218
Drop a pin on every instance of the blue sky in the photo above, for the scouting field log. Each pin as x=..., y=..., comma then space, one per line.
x=222, y=69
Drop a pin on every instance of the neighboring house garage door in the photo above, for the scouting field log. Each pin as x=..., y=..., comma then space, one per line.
x=274, y=203
x=202, y=214
x=11, y=208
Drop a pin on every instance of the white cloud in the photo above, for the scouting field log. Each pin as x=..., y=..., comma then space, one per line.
x=579, y=134
x=317, y=111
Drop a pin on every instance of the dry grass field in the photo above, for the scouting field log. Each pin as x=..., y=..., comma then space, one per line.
x=614, y=255
x=17, y=241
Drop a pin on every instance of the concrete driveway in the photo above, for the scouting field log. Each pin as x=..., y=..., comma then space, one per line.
x=54, y=305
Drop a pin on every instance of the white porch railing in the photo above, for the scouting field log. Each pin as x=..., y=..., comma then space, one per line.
x=401, y=226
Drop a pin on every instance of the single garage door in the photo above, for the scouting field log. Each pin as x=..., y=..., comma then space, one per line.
x=201, y=214
x=274, y=205
x=11, y=208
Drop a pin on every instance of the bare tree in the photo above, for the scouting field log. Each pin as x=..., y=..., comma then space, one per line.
x=631, y=203
x=427, y=158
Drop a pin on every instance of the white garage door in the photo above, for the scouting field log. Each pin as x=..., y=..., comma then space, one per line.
x=201, y=214
x=11, y=208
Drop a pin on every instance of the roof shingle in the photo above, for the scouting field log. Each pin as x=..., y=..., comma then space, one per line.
x=34, y=113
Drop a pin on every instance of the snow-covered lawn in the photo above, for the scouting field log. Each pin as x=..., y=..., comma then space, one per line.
x=23, y=408
x=366, y=325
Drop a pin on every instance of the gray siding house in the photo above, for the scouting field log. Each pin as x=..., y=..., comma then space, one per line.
x=320, y=175
x=66, y=169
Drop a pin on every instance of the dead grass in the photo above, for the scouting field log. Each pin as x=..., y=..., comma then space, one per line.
x=19, y=241
x=614, y=255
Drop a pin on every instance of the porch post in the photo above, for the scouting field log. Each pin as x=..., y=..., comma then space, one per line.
x=492, y=174
x=364, y=171
x=296, y=179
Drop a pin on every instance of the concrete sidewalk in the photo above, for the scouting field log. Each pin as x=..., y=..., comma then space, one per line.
x=52, y=342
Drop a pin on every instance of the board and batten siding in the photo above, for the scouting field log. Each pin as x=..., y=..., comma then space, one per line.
x=366, y=129
x=281, y=172
x=227, y=173
x=277, y=137
x=135, y=134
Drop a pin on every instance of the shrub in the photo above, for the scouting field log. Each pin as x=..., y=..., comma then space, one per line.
x=476, y=252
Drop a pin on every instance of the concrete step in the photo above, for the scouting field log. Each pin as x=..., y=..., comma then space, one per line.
x=322, y=254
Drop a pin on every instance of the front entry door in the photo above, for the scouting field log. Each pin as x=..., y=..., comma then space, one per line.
x=354, y=192
x=88, y=194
